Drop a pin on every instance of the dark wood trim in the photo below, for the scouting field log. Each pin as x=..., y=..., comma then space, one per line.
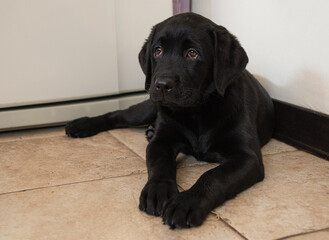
x=181, y=6
x=302, y=128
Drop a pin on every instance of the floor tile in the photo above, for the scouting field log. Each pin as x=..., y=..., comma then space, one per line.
x=188, y=161
x=134, y=138
x=187, y=176
x=105, y=209
x=292, y=199
x=274, y=146
x=319, y=235
x=40, y=162
x=32, y=134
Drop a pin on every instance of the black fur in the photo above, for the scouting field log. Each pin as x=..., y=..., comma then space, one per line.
x=209, y=107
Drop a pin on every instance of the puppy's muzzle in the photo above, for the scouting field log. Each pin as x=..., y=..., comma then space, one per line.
x=165, y=84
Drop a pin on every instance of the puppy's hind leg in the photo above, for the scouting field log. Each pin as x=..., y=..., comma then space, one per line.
x=143, y=113
x=149, y=132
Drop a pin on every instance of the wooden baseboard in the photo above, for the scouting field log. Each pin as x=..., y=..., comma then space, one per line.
x=302, y=128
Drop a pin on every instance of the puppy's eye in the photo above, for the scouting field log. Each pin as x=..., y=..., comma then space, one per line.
x=158, y=51
x=192, y=53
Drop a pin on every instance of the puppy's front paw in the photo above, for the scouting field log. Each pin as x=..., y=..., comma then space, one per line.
x=185, y=210
x=155, y=194
x=81, y=127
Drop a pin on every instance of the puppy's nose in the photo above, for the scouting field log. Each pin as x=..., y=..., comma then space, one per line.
x=165, y=84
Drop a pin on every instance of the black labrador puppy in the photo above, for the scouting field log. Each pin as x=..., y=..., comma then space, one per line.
x=203, y=103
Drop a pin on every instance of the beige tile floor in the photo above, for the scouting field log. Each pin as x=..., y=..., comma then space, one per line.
x=55, y=187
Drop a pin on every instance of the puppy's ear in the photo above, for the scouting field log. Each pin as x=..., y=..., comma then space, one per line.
x=144, y=58
x=230, y=59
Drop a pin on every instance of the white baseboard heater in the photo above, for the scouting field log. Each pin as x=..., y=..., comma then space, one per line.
x=56, y=114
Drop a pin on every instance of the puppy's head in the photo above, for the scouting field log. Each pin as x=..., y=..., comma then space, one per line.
x=186, y=57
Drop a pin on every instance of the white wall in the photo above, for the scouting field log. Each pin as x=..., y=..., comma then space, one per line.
x=287, y=42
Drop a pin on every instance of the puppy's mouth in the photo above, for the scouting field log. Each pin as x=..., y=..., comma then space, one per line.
x=175, y=99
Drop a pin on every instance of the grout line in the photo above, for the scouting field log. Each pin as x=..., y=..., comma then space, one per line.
x=284, y=152
x=219, y=218
x=179, y=186
x=305, y=233
x=269, y=154
x=126, y=146
x=75, y=183
x=17, y=139
x=200, y=165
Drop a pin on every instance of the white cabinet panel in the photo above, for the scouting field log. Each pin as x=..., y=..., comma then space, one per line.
x=55, y=50
x=52, y=51
x=59, y=50
x=134, y=20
